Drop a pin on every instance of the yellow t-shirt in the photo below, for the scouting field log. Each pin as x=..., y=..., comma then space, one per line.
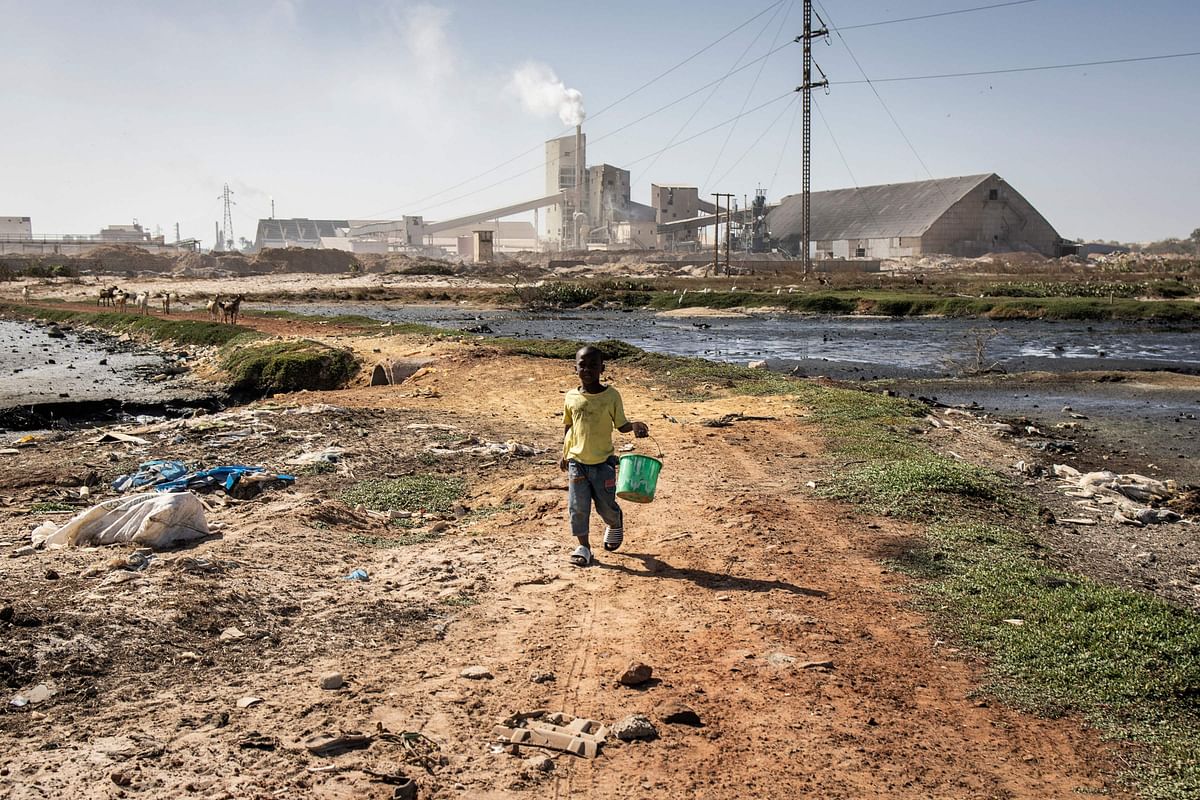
x=592, y=418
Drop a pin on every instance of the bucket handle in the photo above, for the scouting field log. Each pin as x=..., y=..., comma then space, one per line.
x=657, y=445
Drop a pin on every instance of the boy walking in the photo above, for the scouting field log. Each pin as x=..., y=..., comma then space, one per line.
x=591, y=412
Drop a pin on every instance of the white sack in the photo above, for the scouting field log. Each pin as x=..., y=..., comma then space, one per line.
x=152, y=520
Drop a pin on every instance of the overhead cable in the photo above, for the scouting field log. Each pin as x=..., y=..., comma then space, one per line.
x=1018, y=69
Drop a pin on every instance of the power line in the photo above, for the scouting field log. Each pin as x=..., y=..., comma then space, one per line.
x=754, y=145
x=1018, y=69
x=715, y=89
x=931, y=16
x=746, y=99
x=853, y=180
x=595, y=114
x=879, y=97
x=783, y=150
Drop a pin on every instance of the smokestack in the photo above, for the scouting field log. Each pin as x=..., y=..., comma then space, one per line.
x=578, y=177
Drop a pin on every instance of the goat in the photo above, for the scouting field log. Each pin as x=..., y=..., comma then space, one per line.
x=106, y=296
x=142, y=301
x=25, y=293
x=213, y=305
x=166, y=302
x=230, y=309
x=119, y=299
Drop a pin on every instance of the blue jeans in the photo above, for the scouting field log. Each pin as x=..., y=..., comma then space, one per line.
x=589, y=484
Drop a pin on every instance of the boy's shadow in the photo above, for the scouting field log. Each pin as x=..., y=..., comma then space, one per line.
x=657, y=568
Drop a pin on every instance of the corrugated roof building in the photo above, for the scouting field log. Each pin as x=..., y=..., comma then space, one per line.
x=966, y=216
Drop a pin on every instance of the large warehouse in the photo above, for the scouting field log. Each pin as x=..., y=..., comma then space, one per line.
x=966, y=216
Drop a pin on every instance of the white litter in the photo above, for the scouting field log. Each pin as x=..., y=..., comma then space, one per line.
x=153, y=520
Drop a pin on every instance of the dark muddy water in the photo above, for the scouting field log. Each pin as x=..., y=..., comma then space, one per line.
x=846, y=347
x=48, y=375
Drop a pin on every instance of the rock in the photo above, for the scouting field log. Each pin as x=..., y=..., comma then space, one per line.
x=757, y=365
x=821, y=664
x=780, y=659
x=332, y=681
x=476, y=673
x=230, y=634
x=121, y=778
x=6, y=614
x=543, y=677
x=51, y=575
x=636, y=674
x=540, y=763
x=439, y=527
x=27, y=550
x=635, y=727
x=679, y=714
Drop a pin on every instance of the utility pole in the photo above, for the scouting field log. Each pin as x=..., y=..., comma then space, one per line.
x=227, y=225
x=806, y=87
x=717, y=231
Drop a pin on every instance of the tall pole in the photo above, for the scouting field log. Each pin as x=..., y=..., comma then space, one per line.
x=717, y=236
x=806, y=88
x=728, y=229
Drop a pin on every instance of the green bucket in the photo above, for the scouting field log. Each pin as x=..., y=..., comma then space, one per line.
x=637, y=477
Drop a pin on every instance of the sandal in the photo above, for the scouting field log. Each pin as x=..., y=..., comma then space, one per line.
x=613, y=538
x=582, y=557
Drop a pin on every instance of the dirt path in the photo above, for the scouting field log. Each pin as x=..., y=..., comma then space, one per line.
x=728, y=584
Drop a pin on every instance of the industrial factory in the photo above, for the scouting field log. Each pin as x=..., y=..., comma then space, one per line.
x=589, y=207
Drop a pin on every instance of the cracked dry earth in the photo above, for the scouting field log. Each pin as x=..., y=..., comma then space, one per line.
x=728, y=585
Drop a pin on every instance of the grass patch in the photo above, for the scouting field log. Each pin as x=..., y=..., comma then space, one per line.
x=1056, y=643
x=460, y=601
x=392, y=542
x=48, y=506
x=287, y=367
x=430, y=493
x=180, y=331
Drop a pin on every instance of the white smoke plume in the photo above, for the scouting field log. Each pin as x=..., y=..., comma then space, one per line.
x=542, y=93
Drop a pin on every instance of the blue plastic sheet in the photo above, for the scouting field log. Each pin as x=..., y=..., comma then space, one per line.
x=150, y=473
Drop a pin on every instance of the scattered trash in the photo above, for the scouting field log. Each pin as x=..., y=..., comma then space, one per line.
x=580, y=737
x=1136, y=497
x=38, y=694
x=258, y=741
x=154, y=520
x=247, y=702
x=824, y=663
x=150, y=473
x=330, y=455
x=238, y=481
x=359, y=574
x=729, y=419
x=332, y=744
x=473, y=447
x=231, y=634
x=543, y=677
x=113, y=436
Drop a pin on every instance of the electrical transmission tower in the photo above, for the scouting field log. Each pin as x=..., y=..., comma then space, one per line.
x=806, y=88
x=227, y=224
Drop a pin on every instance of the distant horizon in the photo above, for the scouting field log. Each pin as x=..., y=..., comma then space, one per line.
x=381, y=108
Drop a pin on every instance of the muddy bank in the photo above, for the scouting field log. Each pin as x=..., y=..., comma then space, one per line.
x=1147, y=423
x=55, y=375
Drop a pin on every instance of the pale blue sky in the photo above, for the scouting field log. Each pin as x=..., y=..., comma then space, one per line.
x=119, y=110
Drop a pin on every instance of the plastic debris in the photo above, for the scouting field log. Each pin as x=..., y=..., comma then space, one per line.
x=153, y=520
x=150, y=473
x=358, y=575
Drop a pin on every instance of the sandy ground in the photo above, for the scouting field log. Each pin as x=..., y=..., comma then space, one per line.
x=735, y=585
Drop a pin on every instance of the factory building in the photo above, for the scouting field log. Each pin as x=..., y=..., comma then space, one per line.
x=966, y=216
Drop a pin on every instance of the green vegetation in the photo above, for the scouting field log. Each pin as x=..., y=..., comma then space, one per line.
x=1056, y=643
x=261, y=369
x=1075, y=300
x=48, y=506
x=392, y=542
x=429, y=493
x=180, y=331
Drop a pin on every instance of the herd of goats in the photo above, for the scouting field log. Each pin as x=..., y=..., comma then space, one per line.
x=119, y=299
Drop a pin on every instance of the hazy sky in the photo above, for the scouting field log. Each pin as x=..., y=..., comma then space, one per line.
x=376, y=108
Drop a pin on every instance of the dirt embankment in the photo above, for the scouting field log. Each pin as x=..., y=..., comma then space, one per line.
x=764, y=610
